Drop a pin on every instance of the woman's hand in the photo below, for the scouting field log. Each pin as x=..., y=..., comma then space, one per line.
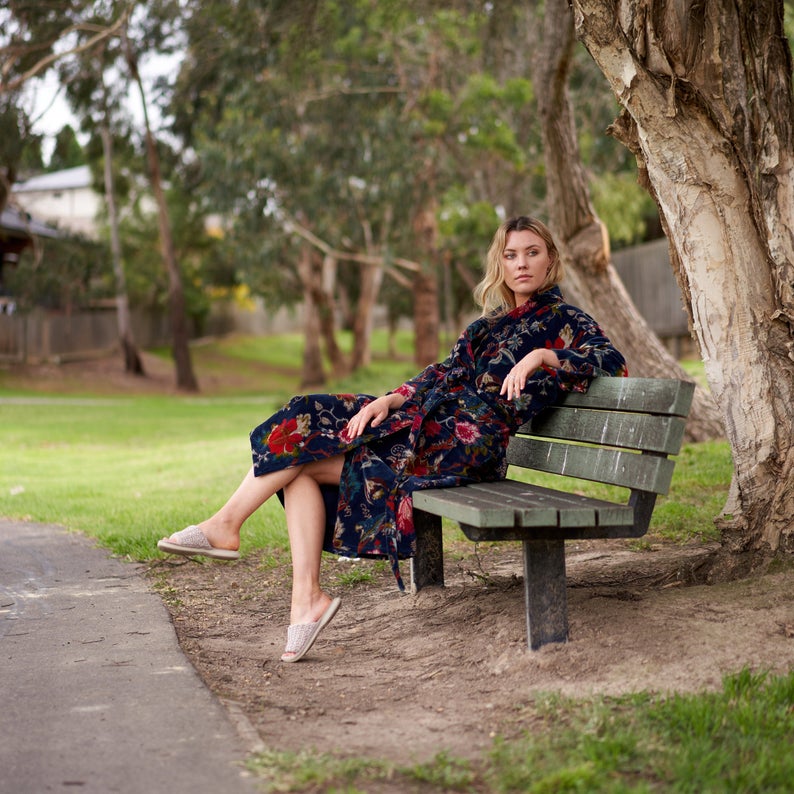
x=517, y=377
x=373, y=413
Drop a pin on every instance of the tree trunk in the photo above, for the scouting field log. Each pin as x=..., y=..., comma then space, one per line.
x=324, y=290
x=132, y=359
x=425, y=288
x=371, y=280
x=180, y=338
x=313, y=374
x=706, y=88
x=592, y=281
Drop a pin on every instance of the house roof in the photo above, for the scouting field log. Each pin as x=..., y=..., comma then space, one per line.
x=15, y=223
x=69, y=178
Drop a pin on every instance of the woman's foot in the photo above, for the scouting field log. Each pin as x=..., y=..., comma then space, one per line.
x=192, y=542
x=301, y=636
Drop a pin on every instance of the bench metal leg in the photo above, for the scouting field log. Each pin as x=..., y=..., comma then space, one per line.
x=544, y=592
x=427, y=567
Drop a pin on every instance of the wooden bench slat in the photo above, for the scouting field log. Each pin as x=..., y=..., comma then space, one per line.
x=507, y=503
x=535, y=503
x=626, y=430
x=610, y=466
x=646, y=395
x=464, y=507
x=539, y=509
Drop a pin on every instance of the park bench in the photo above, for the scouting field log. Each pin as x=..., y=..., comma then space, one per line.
x=619, y=433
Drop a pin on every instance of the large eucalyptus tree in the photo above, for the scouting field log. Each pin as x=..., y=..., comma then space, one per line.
x=705, y=90
x=37, y=36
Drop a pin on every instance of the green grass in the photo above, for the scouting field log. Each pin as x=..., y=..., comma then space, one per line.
x=734, y=740
x=127, y=469
x=737, y=739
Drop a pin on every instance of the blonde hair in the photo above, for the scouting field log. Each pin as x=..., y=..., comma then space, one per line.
x=492, y=294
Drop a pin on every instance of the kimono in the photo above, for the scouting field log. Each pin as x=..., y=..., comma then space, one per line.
x=453, y=427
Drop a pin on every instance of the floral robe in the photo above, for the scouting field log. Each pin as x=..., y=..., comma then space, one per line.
x=452, y=429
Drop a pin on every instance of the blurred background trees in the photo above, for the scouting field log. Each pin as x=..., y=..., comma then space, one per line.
x=351, y=153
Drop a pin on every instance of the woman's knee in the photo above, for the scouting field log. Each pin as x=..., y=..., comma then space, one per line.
x=327, y=471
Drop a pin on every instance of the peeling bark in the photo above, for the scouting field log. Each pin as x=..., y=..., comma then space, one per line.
x=707, y=89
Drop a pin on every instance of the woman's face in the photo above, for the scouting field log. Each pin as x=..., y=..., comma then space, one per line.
x=525, y=263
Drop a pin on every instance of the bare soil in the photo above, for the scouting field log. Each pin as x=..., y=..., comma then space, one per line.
x=402, y=677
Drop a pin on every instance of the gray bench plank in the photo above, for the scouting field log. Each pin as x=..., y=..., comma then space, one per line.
x=628, y=431
x=510, y=503
x=597, y=464
x=663, y=396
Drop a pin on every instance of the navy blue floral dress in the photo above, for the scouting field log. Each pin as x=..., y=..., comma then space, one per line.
x=452, y=429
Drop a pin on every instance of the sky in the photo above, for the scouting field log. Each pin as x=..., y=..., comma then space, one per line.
x=50, y=111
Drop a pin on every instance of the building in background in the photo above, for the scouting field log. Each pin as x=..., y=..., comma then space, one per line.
x=65, y=198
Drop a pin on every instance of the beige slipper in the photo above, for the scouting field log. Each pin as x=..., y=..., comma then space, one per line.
x=191, y=542
x=301, y=636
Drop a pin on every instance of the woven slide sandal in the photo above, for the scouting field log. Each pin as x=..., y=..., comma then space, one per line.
x=301, y=636
x=191, y=542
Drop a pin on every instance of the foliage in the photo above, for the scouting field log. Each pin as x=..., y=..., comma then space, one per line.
x=65, y=273
x=349, y=130
x=67, y=152
x=349, y=117
x=624, y=206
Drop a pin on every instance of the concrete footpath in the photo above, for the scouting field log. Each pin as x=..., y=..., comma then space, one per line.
x=95, y=693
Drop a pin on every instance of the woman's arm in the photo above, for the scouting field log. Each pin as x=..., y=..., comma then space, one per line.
x=373, y=413
x=517, y=377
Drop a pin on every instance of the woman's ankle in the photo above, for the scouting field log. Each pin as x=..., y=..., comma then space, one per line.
x=221, y=535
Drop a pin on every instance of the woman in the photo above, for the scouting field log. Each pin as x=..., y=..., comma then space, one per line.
x=447, y=426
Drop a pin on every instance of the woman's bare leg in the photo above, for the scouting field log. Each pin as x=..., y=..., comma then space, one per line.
x=222, y=530
x=305, y=511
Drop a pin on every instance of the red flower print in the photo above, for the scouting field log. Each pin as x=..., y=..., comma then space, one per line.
x=284, y=438
x=467, y=432
x=432, y=428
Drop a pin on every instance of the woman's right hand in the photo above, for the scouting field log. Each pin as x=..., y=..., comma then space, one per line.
x=373, y=413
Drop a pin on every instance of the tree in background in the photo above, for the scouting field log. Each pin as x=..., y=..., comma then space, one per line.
x=706, y=106
x=99, y=108
x=354, y=128
x=67, y=152
x=42, y=36
x=29, y=35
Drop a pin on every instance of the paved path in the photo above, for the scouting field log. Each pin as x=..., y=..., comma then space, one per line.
x=95, y=693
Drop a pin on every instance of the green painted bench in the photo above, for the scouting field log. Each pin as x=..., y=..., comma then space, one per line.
x=619, y=433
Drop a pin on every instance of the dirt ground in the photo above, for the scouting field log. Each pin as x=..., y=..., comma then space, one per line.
x=402, y=677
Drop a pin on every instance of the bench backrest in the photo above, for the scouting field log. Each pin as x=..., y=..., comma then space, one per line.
x=609, y=425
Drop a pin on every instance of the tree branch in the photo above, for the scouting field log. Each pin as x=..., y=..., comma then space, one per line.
x=44, y=63
x=292, y=225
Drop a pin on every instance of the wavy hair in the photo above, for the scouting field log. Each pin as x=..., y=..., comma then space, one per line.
x=492, y=294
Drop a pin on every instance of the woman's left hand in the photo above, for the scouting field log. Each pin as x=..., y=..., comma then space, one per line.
x=516, y=379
